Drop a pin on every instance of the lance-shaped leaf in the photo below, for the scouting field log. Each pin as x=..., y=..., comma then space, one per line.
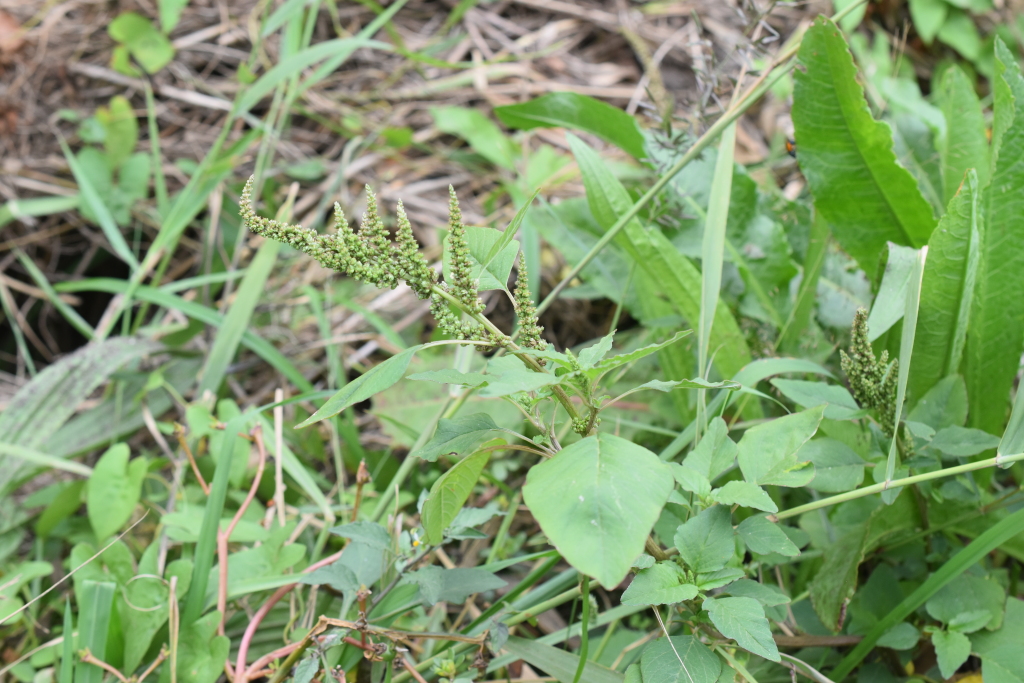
x=460, y=435
x=448, y=494
x=847, y=156
x=964, y=145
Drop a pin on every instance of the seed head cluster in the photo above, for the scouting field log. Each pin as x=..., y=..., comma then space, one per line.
x=370, y=256
x=872, y=381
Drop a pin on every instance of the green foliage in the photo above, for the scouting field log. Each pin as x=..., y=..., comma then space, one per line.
x=143, y=42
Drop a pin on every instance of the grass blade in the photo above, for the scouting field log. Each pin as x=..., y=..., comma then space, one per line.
x=67, y=659
x=70, y=314
x=40, y=459
x=94, y=607
x=38, y=206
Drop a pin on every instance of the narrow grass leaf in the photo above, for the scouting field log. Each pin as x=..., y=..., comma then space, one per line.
x=992, y=538
x=92, y=199
x=40, y=459
x=559, y=663
x=947, y=290
x=482, y=134
x=94, y=608
x=847, y=156
x=229, y=336
x=70, y=314
x=67, y=658
x=510, y=232
x=713, y=247
x=37, y=206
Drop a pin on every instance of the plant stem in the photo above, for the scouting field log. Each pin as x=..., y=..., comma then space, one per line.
x=896, y=483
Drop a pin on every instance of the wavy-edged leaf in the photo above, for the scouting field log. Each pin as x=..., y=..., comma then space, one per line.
x=964, y=146
x=947, y=289
x=743, y=620
x=597, y=501
x=847, y=156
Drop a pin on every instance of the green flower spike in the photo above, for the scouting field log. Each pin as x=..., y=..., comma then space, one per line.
x=529, y=330
x=872, y=381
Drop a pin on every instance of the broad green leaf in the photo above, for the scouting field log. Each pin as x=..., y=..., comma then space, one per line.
x=847, y=156
x=170, y=13
x=964, y=145
x=836, y=581
x=597, y=501
x=1000, y=650
x=95, y=603
x=767, y=453
x=114, y=489
x=762, y=537
x=890, y=301
x=944, y=405
x=144, y=611
x=746, y=494
x=766, y=594
x=481, y=241
x=577, y=112
x=691, y=480
x=961, y=34
x=952, y=649
x=376, y=379
x=480, y=132
x=743, y=620
x=121, y=128
x=840, y=405
x=968, y=593
x=451, y=376
x=995, y=333
x=1012, y=442
x=19, y=576
x=900, y=637
x=370, y=533
x=453, y=585
x=307, y=668
x=705, y=542
x=460, y=435
x=928, y=17
x=662, y=584
x=947, y=290
x=150, y=48
x=449, y=493
x=592, y=355
x=715, y=453
x=961, y=442
x=515, y=381
x=679, y=279
x=1007, y=91
x=559, y=663
x=837, y=467
x=659, y=662
x=201, y=652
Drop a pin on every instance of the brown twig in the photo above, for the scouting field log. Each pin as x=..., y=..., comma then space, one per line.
x=88, y=658
x=164, y=652
x=362, y=478
x=179, y=433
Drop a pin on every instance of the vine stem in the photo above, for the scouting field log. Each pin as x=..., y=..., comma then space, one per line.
x=896, y=483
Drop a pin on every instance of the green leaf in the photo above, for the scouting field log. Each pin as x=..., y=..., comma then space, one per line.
x=150, y=48
x=952, y=649
x=481, y=241
x=662, y=584
x=170, y=13
x=890, y=302
x=453, y=585
x=837, y=467
x=944, y=405
x=743, y=620
x=1000, y=651
x=928, y=16
x=961, y=34
x=762, y=537
x=1007, y=90
x=515, y=381
x=375, y=380
x=660, y=663
x=558, y=663
x=947, y=289
x=449, y=493
x=847, y=156
x=593, y=354
x=691, y=480
x=767, y=453
x=705, y=542
x=625, y=358
x=480, y=132
x=121, y=127
x=115, y=487
x=746, y=494
x=144, y=611
x=201, y=652
x=836, y=581
x=766, y=594
x=715, y=453
x=597, y=501
x=451, y=376
x=461, y=435
x=95, y=604
x=370, y=533
x=995, y=333
x=1012, y=442
x=840, y=405
x=961, y=442
x=577, y=112
x=237, y=319
x=968, y=593
x=678, y=278
x=900, y=637
x=964, y=145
